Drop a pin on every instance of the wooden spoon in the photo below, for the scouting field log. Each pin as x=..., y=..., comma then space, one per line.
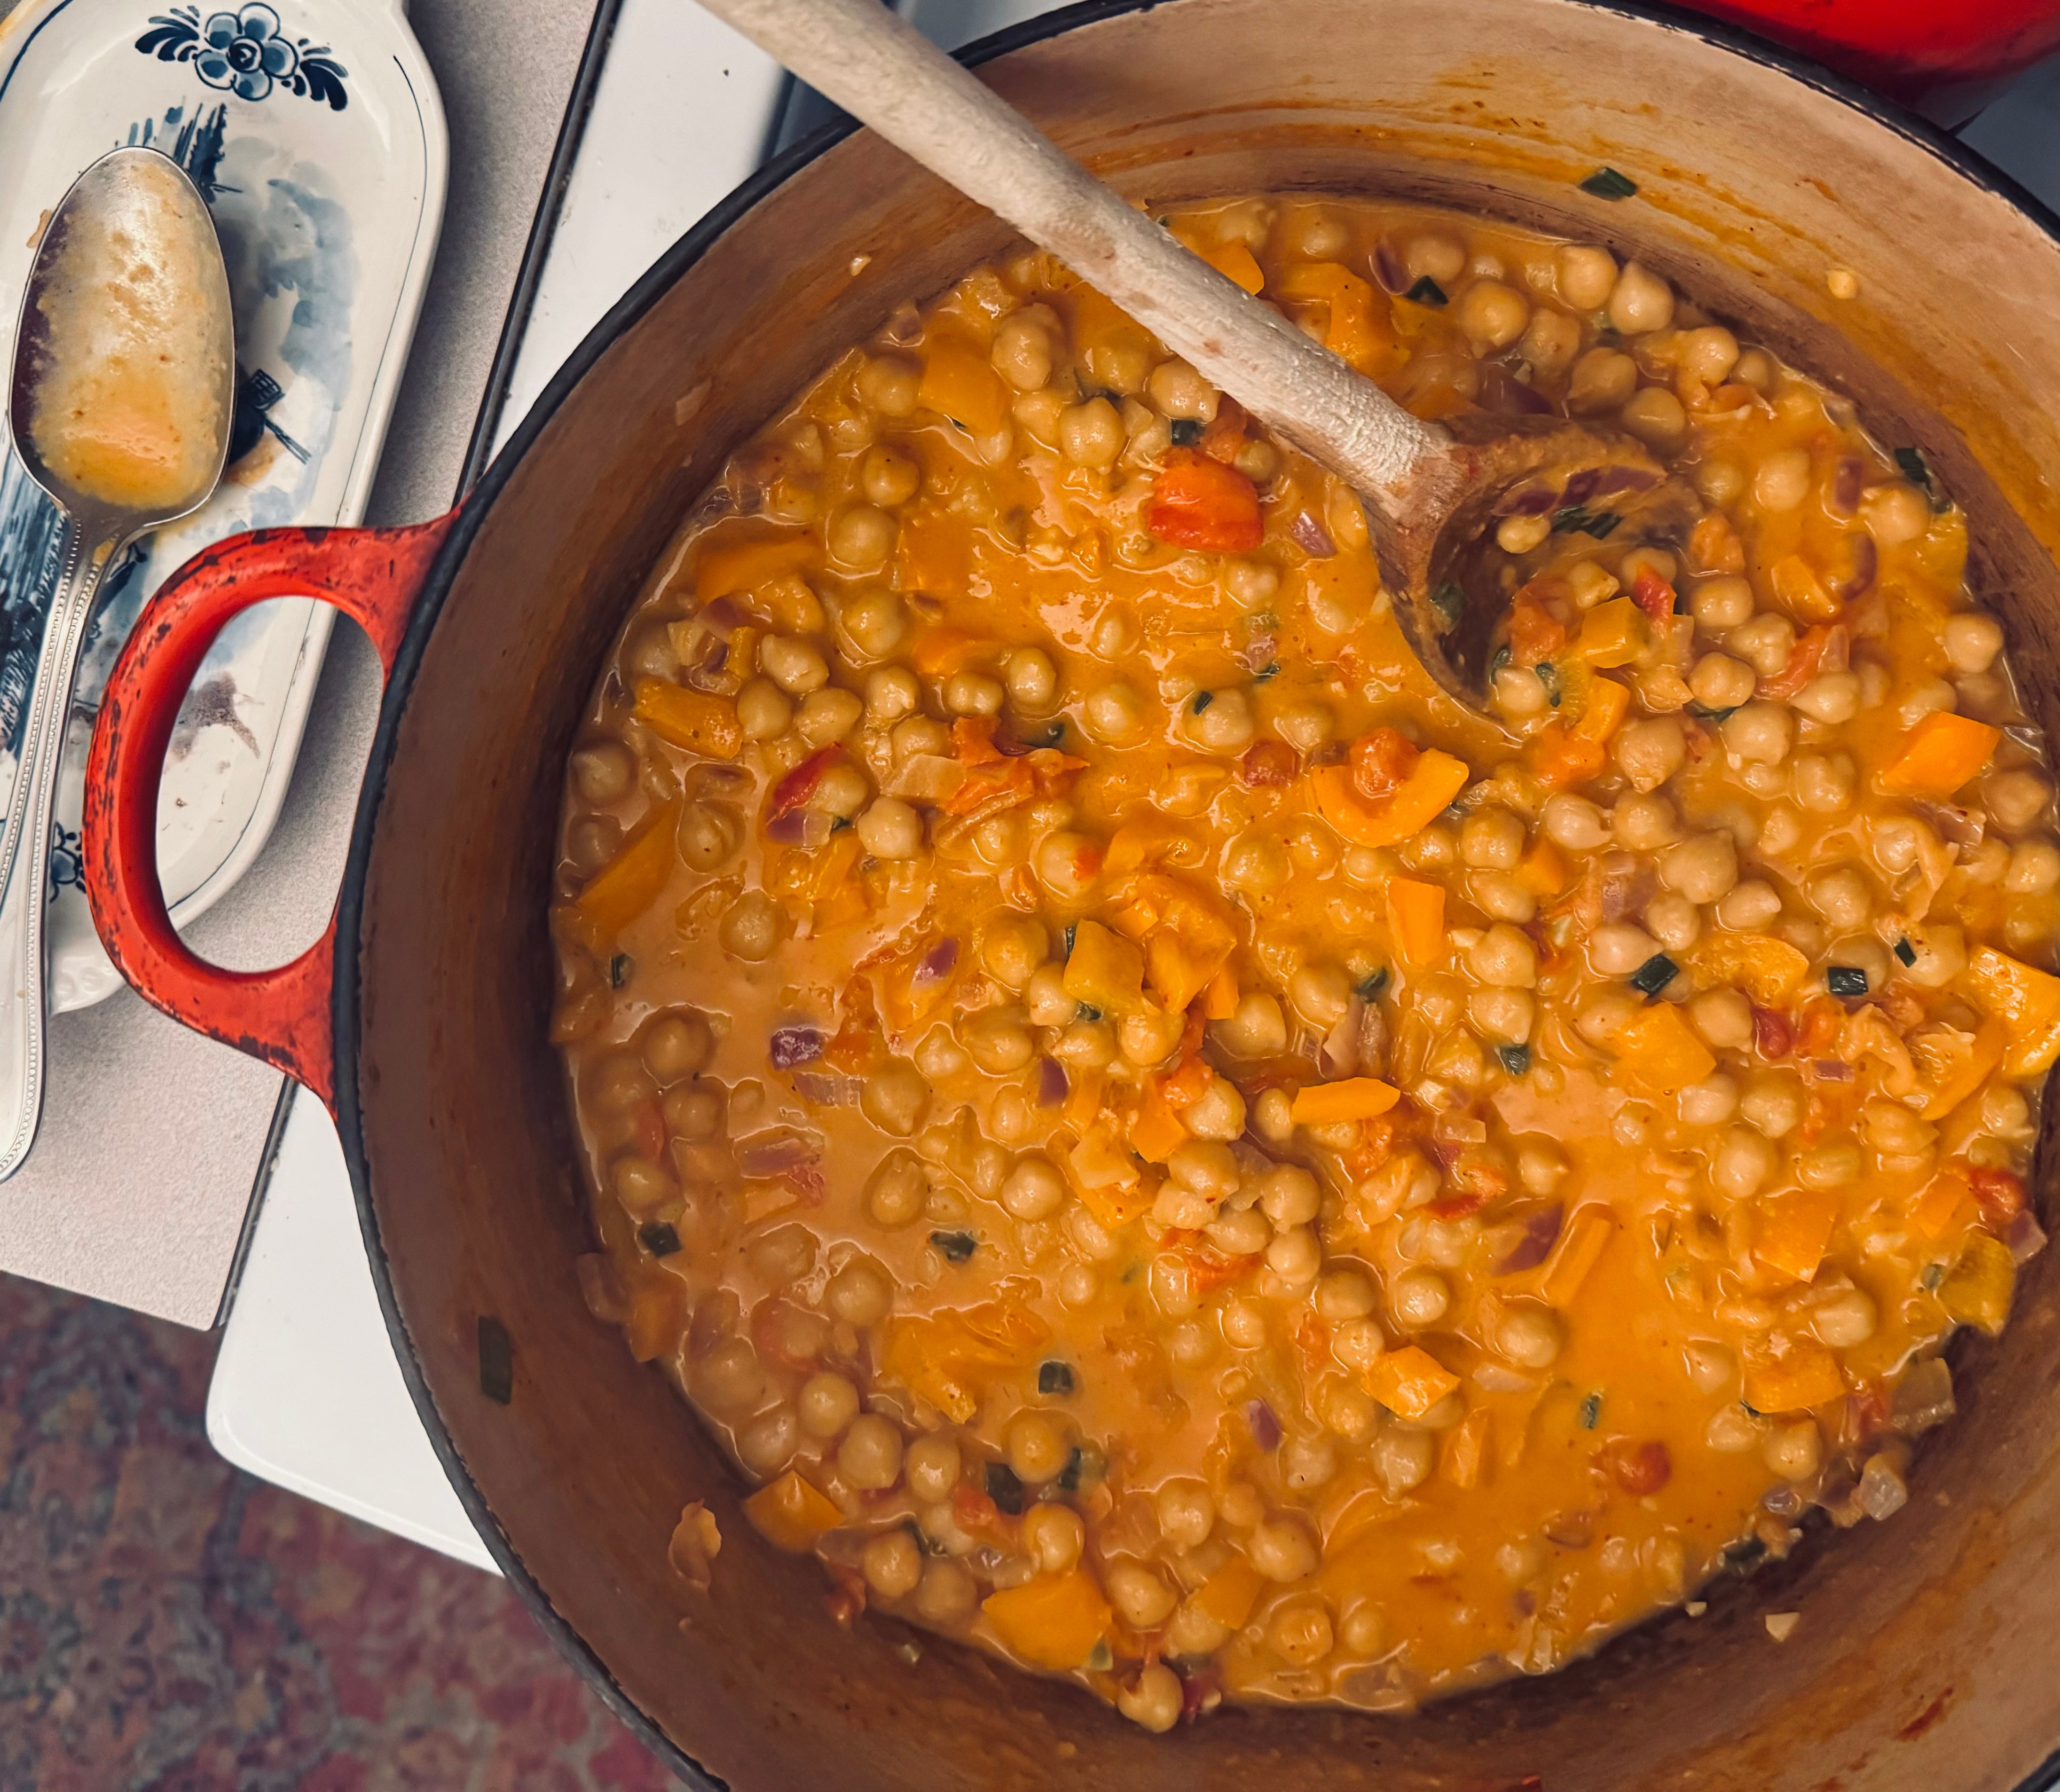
x=1432, y=491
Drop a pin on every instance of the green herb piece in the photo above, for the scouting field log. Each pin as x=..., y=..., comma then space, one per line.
x=1499, y=661
x=924, y=1542
x=496, y=1361
x=839, y=825
x=1548, y=676
x=1515, y=1059
x=1573, y=518
x=959, y=426
x=1085, y=1466
x=1101, y=1658
x=1744, y=1553
x=1591, y=1412
x=1716, y=718
x=1186, y=431
x=1427, y=291
x=1372, y=984
x=618, y=970
x=1003, y=1489
x=1130, y=1274
x=1086, y=1010
x=1450, y=602
x=1654, y=975
x=1905, y=951
x=1607, y=183
x=1934, y=1275
x=1602, y=523
x=1750, y=1411
x=956, y=1246
x=659, y=1239
x=1270, y=669
x=1055, y=1377
x=1069, y=939
x=1202, y=700
x=1845, y=979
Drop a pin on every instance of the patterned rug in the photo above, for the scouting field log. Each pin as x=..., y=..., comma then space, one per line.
x=169, y=1624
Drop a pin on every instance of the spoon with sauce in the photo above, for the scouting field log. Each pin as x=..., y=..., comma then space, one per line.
x=1434, y=491
x=120, y=406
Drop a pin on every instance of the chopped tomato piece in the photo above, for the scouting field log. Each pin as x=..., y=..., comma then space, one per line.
x=1535, y=632
x=1381, y=762
x=1225, y=433
x=793, y=791
x=1639, y=1469
x=1267, y=764
x=1772, y=1036
x=1806, y=659
x=2001, y=1193
x=1198, y=502
x=973, y=741
x=1652, y=594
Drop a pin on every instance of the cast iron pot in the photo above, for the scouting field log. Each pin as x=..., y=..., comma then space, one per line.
x=1928, y=1653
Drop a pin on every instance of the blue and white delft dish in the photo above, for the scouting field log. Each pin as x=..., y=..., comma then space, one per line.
x=315, y=129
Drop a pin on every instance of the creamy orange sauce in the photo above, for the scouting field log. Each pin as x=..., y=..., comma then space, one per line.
x=1174, y=1154
x=129, y=408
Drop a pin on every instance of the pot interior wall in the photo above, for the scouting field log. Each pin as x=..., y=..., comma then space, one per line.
x=1923, y=1657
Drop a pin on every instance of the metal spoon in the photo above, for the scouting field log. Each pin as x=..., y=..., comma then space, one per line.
x=1432, y=491
x=120, y=406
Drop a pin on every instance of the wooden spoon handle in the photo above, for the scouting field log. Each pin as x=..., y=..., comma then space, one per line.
x=886, y=75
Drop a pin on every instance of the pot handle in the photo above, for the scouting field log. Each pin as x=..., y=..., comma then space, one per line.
x=281, y=1015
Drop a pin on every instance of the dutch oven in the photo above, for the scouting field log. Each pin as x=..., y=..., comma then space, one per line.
x=1928, y=1656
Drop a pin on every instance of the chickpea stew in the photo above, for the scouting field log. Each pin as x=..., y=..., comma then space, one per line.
x=1170, y=1151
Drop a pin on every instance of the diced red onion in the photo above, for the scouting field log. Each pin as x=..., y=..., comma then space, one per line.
x=718, y=617
x=1859, y=579
x=826, y=1088
x=1309, y=535
x=937, y=963
x=1772, y=1036
x=1389, y=269
x=1339, y=1055
x=1257, y=653
x=1846, y=479
x=1265, y=1427
x=790, y=1046
x=2025, y=1238
x=806, y=828
x=1541, y=1232
x=1581, y=487
x=1501, y=390
x=1530, y=500
x=1052, y=1084
x=706, y=672
x=1609, y=480
x=1832, y=1069
x=776, y=1151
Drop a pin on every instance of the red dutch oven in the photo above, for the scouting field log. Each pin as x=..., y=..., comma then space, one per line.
x=1928, y=1652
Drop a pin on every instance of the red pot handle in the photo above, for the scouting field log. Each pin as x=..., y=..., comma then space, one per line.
x=373, y=576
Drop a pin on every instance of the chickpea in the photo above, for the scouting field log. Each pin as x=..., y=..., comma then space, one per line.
x=1894, y=512
x=1722, y=604
x=1140, y=1596
x=891, y=829
x=1750, y=907
x=1675, y=921
x=1972, y=640
x=862, y=536
x=947, y=1592
x=643, y=1186
x=888, y=383
x=1438, y=255
x=1795, y=1452
x=1645, y=823
x=1505, y=1016
x=1824, y=783
x=1223, y=724
x=1656, y=417
x=1720, y=682
x=1218, y=1112
x=1617, y=948
x=1709, y=1103
x=1724, y=1019
x=1402, y=1457
x=1032, y=681
x=1551, y=342
x=678, y=1047
x=1774, y=1104
x=603, y=771
x=1419, y=1298
x=890, y=476
x=2016, y=799
x=1573, y=822
x=1068, y=865
x=1541, y=1168
x=1491, y=839
x=1843, y=1319
x=1651, y=751
x=1782, y=481
x=1503, y=899
x=1053, y=1537
x=999, y=1044
x=1732, y=1431
x=1022, y=353
x=1529, y=1334
x=1037, y=1446
x=1155, y=1701
x=828, y=714
x=1933, y=696
x=891, y=1563
x=1586, y=275
x=1178, y=391
x=1742, y=1161
x=827, y=1404
x=1602, y=379
x=1640, y=301
x=794, y=666
x=1288, y=1195
x=896, y=1190
x=893, y=693
x=972, y=693
x=1283, y=1549
x=870, y=1455
x=1113, y=714
x=729, y=1380
x=2034, y=868
x=1504, y=958
x=1832, y=698
x=1091, y=434
x=861, y=1293
x=752, y=926
x=933, y=1466
x=1842, y=897
x=1034, y=1189
x=1758, y=734
x=1491, y=315
x=895, y=1099
x=767, y=1443
x=1709, y=353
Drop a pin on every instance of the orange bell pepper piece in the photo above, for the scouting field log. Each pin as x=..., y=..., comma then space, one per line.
x=1806, y=1374
x=1657, y=1054
x=1416, y=919
x=1435, y=779
x=1229, y=1594
x=1939, y=755
x=1356, y=1098
x=2027, y=1002
x=1798, y=1231
x=1409, y=1381
x=791, y=1513
x=693, y=719
x=724, y=568
x=629, y=883
x=1052, y=1621
x=960, y=384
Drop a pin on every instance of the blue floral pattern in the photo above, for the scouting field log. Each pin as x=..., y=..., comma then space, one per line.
x=245, y=52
